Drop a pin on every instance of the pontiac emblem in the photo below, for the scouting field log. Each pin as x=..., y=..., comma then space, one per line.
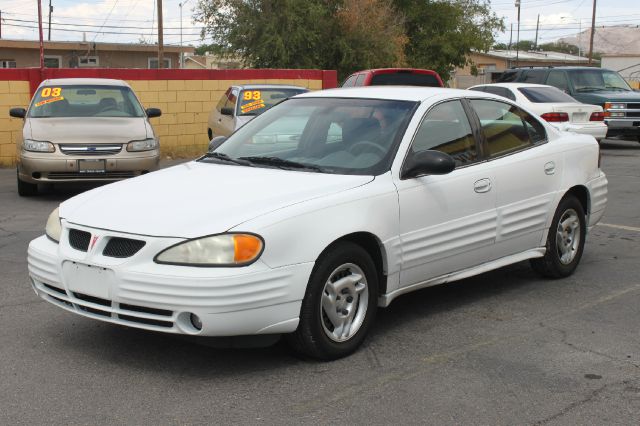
x=94, y=240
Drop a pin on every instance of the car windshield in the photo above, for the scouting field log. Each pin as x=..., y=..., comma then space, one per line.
x=543, y=95
x=85, y=101
x=330, y=135
x=405, y=78
x=257, y=101
x=597, y=80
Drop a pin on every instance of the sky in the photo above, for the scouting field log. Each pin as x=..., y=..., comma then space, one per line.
x=129, y=21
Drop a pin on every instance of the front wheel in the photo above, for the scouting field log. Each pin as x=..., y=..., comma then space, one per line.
x=339, y=305
x=565, y=241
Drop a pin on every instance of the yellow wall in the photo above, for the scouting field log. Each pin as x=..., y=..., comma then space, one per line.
x=185, y=106
x=12, y=94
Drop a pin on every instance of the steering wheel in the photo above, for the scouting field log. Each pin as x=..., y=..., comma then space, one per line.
x=363, y=146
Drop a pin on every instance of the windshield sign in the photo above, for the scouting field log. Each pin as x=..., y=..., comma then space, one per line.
x=85, y=101
x=255, y=102
x=328, y=135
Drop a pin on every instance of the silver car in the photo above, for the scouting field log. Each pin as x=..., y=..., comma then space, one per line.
x=84, y=129
x=240, y=104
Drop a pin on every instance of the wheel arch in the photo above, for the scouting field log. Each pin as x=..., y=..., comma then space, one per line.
x=582, y=194
x=372, y=245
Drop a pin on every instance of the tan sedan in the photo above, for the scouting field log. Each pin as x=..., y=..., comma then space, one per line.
x=84, y=129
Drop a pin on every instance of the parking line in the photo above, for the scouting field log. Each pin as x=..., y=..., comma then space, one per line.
x=627, y=228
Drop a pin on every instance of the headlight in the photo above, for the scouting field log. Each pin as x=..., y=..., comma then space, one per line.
x=143, y=145
x=54, y=227
x=215, y=250
x=37, y=146
x=611, y=105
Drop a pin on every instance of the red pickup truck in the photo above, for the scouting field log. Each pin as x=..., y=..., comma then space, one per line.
x=394, y=77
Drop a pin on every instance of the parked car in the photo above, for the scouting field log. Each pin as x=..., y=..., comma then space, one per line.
x=84, y=129
x=553, y=105
x=596, y=86
x=308, y=239
x=394, y=77
x=240, y=104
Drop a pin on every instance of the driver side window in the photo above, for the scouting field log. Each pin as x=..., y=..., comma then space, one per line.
x=446, y=128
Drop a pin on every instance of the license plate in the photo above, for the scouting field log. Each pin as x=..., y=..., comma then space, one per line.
x=579, y=117
x=90, y=280
x=91, y=166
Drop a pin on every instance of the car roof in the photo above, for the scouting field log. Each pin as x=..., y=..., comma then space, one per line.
x=83, y=81
x=511, y=85
x=563, y=67
x=267, y=86
x=399, y=93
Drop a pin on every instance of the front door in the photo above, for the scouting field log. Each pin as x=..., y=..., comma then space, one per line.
x=447, y=222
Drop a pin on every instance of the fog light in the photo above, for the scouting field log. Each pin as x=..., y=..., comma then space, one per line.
x=196, y=322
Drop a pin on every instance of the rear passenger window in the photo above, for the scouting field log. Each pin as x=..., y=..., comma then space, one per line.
x=507, y=128
x=500, y=91
x=534, y=76
x=558, y=79
x=446, y=128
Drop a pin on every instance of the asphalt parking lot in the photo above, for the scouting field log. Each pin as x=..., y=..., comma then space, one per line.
x=505, y=347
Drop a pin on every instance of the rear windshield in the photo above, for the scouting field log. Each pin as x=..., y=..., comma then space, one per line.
x=85, y=101
x=543, y=95
x=257, y=101
x=405, y=79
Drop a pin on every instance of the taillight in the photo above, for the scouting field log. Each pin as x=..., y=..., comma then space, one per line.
x=555, y=117
x=597, y=116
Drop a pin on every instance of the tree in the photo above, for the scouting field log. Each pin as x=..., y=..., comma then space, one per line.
x=332, y=34
x=441, y=34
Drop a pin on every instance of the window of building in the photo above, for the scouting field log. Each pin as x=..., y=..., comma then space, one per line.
x=153, y=62
x=52, y=61
x=7, y=63
x=88, y=61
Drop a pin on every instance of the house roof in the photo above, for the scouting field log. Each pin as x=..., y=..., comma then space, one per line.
x=537, y=56
x=81, y=45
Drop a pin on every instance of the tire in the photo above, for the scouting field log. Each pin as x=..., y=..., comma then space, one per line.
x=26, y=189
x=354, y=301
x=565, y=244
x=210, y=134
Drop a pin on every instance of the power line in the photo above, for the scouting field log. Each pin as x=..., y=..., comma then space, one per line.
x=89, y=31
x=88, y=25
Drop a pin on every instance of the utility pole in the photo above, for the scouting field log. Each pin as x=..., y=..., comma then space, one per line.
x=41, y=36
x=181, y=52
x=518, y=36
x=160, y=40
x=535, y=45
x=593, y=30
x=0, y=24
x=50, y=12
x=510, y=37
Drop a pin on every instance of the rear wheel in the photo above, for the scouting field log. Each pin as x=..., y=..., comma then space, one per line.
x=565, y=241
x=26, y=189
x=339, y=305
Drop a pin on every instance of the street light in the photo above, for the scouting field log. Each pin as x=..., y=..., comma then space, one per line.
x=181, y=52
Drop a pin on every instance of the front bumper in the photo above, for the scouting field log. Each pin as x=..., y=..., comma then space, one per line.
x=139, y=293
x=623, y=127
x=35, y=167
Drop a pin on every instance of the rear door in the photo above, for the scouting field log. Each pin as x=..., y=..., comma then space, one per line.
x=527, y=173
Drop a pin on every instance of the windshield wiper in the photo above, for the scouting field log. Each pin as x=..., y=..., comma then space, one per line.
x=617, y=88
x=282, y=163
x=589, y=89
x=225, y=157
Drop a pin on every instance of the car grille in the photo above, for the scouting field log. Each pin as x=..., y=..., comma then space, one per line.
x=90, y=149
x=79, y=240
x=122, y=247
x=633, y=114
x=82, y=176
x=633, y=106
x=105, y=308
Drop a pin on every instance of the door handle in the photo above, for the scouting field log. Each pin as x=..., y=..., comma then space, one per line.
x=482, y=185
x=550, y=168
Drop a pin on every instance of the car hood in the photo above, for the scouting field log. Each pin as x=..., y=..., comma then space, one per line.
x=608, y=96
x=84, y=130
x=196, y=199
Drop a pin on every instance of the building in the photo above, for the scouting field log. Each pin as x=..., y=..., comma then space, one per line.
x=627, y=64
x=64, y=54
x=491, y=64
x=212, y=62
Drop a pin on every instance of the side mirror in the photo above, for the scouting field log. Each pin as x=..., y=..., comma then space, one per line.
x=17, y=112
x=227, y=111
x=428, y=163
x=216, y=142
x=153, y=112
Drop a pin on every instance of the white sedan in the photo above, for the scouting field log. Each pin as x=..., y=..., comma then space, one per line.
x=375, y=193
x=553, y=105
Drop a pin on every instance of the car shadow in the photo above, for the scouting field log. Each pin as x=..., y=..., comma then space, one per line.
x=174, y=355
x=619, y=144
